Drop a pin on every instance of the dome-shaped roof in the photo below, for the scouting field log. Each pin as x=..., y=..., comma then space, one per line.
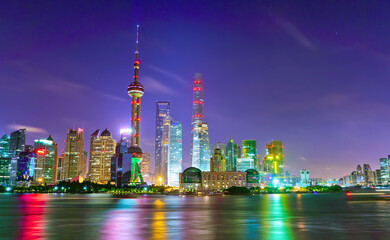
x=252, y=176
x=191, y=175
x=106, y=133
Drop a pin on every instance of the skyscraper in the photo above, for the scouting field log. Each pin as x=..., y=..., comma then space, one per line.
x=273, y=159
x=4, y=146
x=368, y=175
x=45, y=167
x=121, y=165
x=231, y=156
x=125, y=136
x=135, y=91
x=162, y=178
x=249, y=150
x=384, y=164
x=74, y=157
x=102, y=150
x=175, y=155
x=199, y=152
x=145, y=168
x=25, y=165
x=162, y=112
x=17, y=142
x=218, y=145
x=217, y=162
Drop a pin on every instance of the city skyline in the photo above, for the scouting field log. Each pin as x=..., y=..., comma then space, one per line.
x=324, y=112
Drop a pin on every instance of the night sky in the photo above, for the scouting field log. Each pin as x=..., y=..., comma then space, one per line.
x=314, y=74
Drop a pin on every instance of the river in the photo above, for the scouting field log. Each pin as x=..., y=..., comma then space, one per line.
x=276, y=217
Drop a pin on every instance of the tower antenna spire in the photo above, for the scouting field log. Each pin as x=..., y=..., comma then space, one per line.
x=136, y=45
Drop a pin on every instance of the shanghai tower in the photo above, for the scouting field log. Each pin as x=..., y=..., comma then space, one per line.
x=135, y=91
x=200, y=153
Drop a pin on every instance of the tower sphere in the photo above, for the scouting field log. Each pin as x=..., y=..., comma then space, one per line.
x=135, y=89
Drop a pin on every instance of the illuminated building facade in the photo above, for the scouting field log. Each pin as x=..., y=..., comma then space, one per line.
x=244, y=164
x=218, y=181
x=45, y=167
x=273, y=160
x=4, y=146
x=75, y=163
x=60, y=162
x=305, y=177
x=385, y=177
x=121, y=165
x=145, y=168
x=175, y=155
x=249, y=150
x=218, y=145
x=17, y=142
x=232, y=153
x=162, y=112
x=135, y=91
x=162, y=177
x=369, y=179
x=102, y=150
x=5, y=170
x=25, y=165
x=218, y=161
x=199, y=151
x=125, y=136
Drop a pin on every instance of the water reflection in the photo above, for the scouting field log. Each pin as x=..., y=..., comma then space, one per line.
x=32, y=222
x=276, y=217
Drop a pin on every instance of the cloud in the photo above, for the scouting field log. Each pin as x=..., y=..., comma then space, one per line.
x=171, y=75
x=303, y=158
x=28, y=128
x=43, y=80
x=156, y=87
x=295, y=33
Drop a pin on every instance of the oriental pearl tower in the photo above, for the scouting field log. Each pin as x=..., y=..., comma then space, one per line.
x=135, y=91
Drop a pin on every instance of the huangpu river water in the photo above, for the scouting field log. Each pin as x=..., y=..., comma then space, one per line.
x=102, y=216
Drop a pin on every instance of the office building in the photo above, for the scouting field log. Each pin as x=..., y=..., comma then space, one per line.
x=369, y=179
x=162, y=113
x=17, y=142
x=232, y=153
x=218, y=145
x=305, y=178
x=218, y=161
x=75, y=163
x=385, y=177
x=145, y=168
x=4, y=146
x=45, y=167
x=249, y=150
x=102, y=150
x=273, y=159
x=175, y=155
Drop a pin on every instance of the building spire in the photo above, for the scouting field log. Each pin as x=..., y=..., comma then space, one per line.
x=136, y=62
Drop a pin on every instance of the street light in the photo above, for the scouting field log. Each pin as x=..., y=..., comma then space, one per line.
x=160, y=179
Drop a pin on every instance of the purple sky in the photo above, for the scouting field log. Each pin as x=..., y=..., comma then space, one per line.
x=314, y=74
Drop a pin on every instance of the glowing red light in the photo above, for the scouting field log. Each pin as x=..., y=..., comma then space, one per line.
x=349, y=193
x=41, y=151
x=199, y=89
x=194, y=88
x=137, y=62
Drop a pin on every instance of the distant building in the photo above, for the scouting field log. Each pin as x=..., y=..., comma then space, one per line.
x=244, y=164
x=102, y=150
x=60, y=162
x=45, y=167
x=249, y=150
x=273, y=159
x=175, y=156
x=378, y=177
x=145, y=168
x=17, y=142
x=232, y=153
x=4, y=146
x=25, y=165
x=218, y=145
x=5, y=170
x=217, y=162
x=385, y=176
x=368, y=175
x=121, y=165
x=194, y=179
x=305, y=177
x=74, y=157
x=125, y=136
x=162, y=112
